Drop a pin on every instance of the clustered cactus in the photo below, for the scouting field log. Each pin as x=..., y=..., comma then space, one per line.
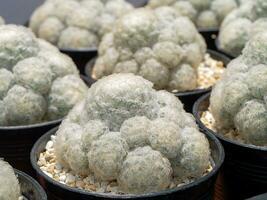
x=159, y=45
x=9, y=184
x=205, y=13
x=239, y=100
x=2, y=21
x=76, y=24
x=241, y=25
x=126, y=131
x=37, y=82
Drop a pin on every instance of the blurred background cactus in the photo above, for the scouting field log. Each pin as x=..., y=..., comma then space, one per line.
x=159, y=45
x=76, y=24
x=205, y=13
x=238, y=101
x=241, y=25
x=37, y=82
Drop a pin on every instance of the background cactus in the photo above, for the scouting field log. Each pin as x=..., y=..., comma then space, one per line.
x=159, y=45
x=37, y=82
x=204, y=13
x=242, y=24
x=76, y=24
x=239, y=100
x=9, y=184
x=2, y=21
x=126, y=131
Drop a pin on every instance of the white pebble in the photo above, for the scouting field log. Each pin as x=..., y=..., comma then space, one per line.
x=53, y=138
x=101, y=190
x=58, y=166
x=70, y=179
x=62, y=178
x=49, y=145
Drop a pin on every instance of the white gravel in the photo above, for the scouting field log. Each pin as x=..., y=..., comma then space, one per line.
x=209, y=72
x=209, y=121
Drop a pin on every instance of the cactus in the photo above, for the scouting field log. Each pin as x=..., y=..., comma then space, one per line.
x=9, y=184
x=37, y=82
x=241, y=25
x=158, y=45
x=238, y=101
x=76, y=24
x=126, y=131
x=204, y=13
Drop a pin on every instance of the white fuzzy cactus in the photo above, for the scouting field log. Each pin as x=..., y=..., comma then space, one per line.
x=37, y=82
x=76, y=24
x=241, y=25
x=9, y=184
x=205, y=13
x=128, y=132
x=239, y=100
x=159, y=45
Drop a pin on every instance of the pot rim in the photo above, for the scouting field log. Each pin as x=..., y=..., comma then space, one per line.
x=214, y=171
x=224, y=58
x=218, y=135
x=259, y=197
x=85, y=79
x=206, y=30
x=23, y=127
x=37, y=186
x=79, y=50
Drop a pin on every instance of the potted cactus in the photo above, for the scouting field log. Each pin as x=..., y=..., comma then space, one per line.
x=77, y=26
x=236, y=114
x=206, y=14
x=241, y=25
x=38, y=86
x=127, y=140
x=15, y=185
x=164, y=48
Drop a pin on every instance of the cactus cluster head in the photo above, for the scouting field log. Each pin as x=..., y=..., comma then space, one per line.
x=159, y=45
x=76, y=24
x=126, y=131
x=37, y=82
x=9, y=184
x=205, y=13
x=241, y=25
x=239, y=100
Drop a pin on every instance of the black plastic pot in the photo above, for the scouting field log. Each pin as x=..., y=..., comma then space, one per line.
x=202, y=189
x=30, y=189
x=245, y=169
x=219, y=49
x=259, y=197
x=80, y=56
x=210, y=35
x=16, y=141
x=188, y=98
x=138, y=3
